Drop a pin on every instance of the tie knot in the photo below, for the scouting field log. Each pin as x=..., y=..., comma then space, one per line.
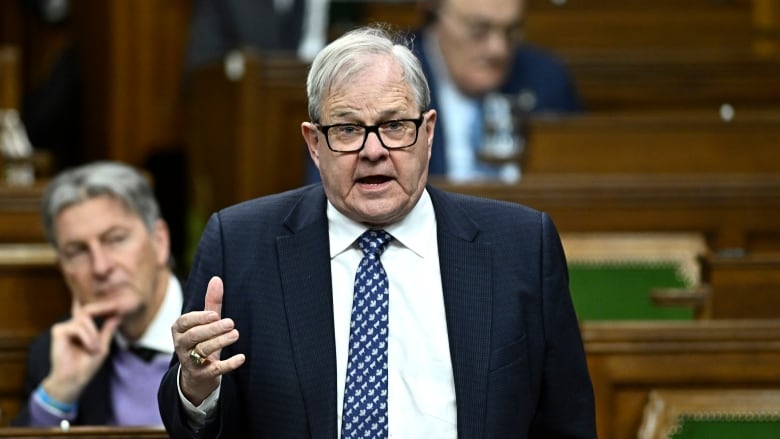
x=374, y=242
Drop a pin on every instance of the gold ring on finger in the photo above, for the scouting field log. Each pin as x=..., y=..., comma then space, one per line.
x=196, y=358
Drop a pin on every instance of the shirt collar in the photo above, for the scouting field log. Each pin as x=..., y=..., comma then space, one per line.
x=414, y=231
x=158, y=335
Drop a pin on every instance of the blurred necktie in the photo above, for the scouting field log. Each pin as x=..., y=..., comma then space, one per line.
x=477, y=139
x=143, y=353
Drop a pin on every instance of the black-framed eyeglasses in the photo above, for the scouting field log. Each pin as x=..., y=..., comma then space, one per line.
x=392, y=134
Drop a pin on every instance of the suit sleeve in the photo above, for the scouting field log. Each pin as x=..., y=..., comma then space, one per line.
x=228, y=423
x=37, y=369
x=566, y=405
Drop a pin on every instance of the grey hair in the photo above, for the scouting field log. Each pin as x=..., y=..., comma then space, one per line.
x=351, y=53
x=93, y=180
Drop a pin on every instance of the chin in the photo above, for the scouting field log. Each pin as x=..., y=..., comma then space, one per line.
x=125, y=300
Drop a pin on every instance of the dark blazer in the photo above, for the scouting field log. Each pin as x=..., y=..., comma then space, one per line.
x=94, y=403
x=517, y=355
x=534, y=70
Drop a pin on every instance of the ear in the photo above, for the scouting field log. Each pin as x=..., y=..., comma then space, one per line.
x=430, y=127
x=161, y=238
x=311, y=136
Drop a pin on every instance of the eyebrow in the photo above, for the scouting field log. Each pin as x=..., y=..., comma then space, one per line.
x=383, y=115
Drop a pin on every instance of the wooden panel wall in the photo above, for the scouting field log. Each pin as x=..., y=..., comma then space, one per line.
x=133, y=52
x=10, y=72
x=244, y=134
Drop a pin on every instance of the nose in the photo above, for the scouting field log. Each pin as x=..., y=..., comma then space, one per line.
x=101, y=260
x=373, y=148
x=498, y=42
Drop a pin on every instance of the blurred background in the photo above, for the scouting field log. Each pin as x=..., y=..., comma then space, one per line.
x=666, y=187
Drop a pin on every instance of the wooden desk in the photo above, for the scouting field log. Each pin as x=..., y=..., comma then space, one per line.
x=29, y=277
x=635, y=79
x=680, y=142
x=20, y=219
x=86, y=432
x=732, y=211
x=742, y=286
x=629, y=359
x=640, y=24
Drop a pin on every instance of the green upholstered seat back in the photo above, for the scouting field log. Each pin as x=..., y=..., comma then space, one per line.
x=611, y=275
x=727, y=427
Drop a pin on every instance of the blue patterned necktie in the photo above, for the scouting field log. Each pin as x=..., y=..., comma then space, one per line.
x=365, y=392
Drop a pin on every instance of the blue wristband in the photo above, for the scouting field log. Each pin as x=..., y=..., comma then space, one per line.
x=53, y=403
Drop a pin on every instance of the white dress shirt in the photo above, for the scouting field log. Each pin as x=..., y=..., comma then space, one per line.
x=421, y=385
x=158, y=335
x=421, y=399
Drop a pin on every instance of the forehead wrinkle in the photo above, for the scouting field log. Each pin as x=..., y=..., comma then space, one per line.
x=401, y=104
x=379, y=92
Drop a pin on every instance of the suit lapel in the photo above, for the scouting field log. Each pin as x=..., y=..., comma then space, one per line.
x=466, y=268
x=306, y=284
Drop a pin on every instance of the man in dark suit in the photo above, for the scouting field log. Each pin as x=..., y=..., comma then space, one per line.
x=470, y=50
x=460, y=324
x=103, y=363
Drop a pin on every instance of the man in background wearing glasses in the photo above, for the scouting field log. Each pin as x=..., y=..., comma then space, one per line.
x=472, y=49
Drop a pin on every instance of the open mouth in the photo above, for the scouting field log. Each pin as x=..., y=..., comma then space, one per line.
x=374, y=180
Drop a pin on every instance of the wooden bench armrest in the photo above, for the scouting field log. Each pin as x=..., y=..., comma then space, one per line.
x=695, y=297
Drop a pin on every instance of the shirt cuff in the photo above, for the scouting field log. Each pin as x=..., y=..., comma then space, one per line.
x=198, y=416
x=46, y=411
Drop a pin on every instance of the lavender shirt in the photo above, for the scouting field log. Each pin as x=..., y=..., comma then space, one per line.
x=133, y=400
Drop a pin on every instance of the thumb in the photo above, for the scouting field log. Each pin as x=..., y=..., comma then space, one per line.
x=214, y=293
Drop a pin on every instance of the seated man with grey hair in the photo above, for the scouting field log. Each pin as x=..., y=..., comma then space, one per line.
x=102, y=364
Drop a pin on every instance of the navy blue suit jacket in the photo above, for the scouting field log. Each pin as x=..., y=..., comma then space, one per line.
x=517, y=355
x=533, y=70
